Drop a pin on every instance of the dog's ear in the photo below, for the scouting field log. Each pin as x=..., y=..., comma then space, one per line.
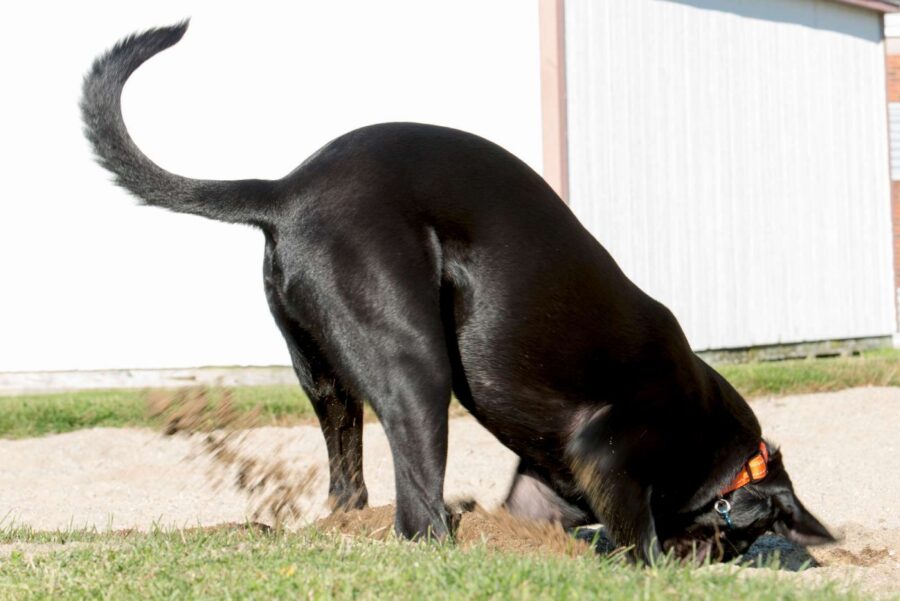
x=791, y=519
x=796, y=523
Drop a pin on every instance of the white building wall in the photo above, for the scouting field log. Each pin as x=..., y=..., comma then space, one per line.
x=732, y=156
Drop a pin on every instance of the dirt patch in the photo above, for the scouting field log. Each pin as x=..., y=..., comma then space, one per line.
x=376, y=523
x=497, y=530
x=502, y=532
x=861, y=546
x=867, y=557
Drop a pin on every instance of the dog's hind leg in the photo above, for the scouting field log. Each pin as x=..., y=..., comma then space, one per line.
x=406, y=377
x=374, y=315
x=339, y=411
x=340, y=415
x=415, y=419
x=403, y=368
x=385, y=338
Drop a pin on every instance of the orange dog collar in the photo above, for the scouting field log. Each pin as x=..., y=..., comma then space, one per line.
x=753, y=471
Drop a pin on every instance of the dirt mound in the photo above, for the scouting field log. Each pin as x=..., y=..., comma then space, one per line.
x=373, y=522
x=503, y=532
x=497, y=530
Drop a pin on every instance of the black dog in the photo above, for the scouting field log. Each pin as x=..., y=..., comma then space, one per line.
x=406, y=261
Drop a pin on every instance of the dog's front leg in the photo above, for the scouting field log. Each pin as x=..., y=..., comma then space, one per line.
x=613, y=488
x=624, y=507
x=531, y=497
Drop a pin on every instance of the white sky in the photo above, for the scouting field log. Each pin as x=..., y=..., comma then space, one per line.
x=88, y=280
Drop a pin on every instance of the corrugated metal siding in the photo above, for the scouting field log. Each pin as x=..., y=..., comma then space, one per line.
x=894, y=115
x=734, y=162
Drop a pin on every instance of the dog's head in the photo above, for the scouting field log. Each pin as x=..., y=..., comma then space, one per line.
x=613, y=464
x=753, y=509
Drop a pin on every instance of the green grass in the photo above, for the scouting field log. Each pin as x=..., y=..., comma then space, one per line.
x=35, y=415
x=242, y=563
x=775, y=378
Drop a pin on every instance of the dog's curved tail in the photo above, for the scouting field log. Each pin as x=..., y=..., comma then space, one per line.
x=239, y=201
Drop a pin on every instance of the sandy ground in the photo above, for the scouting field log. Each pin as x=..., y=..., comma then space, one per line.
x=841, y=449
x=39, y=382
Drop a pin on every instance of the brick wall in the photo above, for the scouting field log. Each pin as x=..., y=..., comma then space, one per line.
x=892, y=65
x=893, y=77
x=895, y=213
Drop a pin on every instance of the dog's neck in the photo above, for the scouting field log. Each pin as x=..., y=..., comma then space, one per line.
x=727, y=455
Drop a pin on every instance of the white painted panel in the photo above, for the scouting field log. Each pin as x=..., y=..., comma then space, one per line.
x=732, y=156
x=892, y=25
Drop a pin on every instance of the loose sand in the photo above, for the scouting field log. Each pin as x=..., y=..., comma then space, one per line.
x=841, y=449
